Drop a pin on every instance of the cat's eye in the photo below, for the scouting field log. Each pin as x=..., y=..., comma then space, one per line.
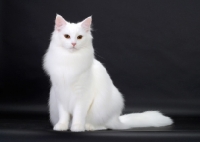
x=79, y=37
x=67, y=36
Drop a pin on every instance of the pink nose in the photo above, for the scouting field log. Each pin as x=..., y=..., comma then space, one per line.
x=73, y=44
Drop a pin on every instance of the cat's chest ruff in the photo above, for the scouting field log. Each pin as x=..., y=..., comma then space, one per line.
x=66, y=67
x=64, y=76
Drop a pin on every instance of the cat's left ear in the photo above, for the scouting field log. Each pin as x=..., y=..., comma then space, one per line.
x=86, y=24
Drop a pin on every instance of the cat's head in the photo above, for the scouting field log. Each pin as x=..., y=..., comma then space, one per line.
x=73, y=36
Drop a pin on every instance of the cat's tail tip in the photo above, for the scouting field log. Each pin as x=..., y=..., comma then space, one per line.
x=146, y=119
x=158, y=119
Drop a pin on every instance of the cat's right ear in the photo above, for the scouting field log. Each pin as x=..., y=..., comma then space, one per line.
x=60, y=22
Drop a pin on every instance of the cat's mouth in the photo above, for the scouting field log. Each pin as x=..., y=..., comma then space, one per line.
x=72, y=49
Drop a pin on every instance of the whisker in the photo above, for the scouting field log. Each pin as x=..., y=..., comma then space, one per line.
x=96, y=54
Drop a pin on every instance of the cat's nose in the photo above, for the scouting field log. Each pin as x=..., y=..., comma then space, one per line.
x=73, y=43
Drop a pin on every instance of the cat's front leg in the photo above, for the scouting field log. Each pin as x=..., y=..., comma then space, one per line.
x=64, y=117
x=79, y=116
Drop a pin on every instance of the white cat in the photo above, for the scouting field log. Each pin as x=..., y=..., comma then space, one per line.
x=82, y=95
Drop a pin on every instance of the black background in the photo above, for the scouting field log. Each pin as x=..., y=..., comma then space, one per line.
x=151, y=49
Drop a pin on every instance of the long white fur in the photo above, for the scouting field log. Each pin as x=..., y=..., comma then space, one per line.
x=82, y=95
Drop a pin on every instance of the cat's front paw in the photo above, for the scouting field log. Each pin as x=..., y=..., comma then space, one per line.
x=77, y=128
x=60, y=127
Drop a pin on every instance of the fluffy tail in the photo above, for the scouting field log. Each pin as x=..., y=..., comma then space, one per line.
x=145, y=119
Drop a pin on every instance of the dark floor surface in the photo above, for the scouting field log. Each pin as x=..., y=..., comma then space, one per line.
x=32, y=127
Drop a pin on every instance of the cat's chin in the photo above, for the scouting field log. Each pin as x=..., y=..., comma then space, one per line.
x=72, y=49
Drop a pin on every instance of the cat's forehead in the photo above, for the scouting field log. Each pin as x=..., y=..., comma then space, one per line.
x=73, y=28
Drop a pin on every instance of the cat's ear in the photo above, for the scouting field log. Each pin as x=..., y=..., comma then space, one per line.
x=60, y=22
x=86, y=24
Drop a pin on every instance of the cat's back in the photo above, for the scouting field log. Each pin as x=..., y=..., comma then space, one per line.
x=98, y=66
x=100, y=73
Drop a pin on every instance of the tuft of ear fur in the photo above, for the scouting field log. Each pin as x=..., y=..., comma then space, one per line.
x=86, y=24
x=60, y=22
